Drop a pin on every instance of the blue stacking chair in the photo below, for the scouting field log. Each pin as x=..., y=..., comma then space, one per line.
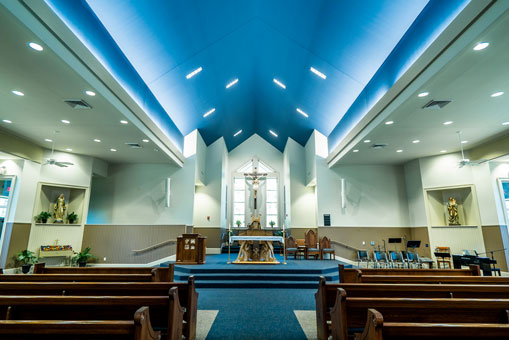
x=380, y=258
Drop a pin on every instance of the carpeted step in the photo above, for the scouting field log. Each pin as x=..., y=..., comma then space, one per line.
x=257, y=284
x=254, y=277
x=248, y=269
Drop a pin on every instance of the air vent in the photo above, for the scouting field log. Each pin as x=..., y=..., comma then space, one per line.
x=133, y=145
x=436, y=104
x=378, y=146
x=78, y=104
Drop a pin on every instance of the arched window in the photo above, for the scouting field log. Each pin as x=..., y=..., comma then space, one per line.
x=267, y=200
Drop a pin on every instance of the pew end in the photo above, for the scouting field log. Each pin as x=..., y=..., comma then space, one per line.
x=175, y=316
x=373, y=327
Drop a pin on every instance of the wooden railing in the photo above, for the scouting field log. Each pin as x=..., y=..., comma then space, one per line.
x=154, y=246
x=344, y=245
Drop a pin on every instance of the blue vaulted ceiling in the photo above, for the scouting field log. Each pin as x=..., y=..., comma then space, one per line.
x=254, y=41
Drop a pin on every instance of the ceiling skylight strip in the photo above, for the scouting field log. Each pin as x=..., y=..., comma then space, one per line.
x=318, y=73
x=230, y=84
x=302, y=113
x=279, y=83
x=209, y=112
x=273, y=133
x=237, y=133
x=195, y=72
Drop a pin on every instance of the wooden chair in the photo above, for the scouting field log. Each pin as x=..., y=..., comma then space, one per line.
x=301, y=248
x=311, y=245
x=444, y=260
x=291, y=247
x=325, y=248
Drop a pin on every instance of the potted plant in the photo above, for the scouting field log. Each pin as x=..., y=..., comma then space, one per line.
x=42, y=217
x=238, y=223
x=26, y=258
x=82, y=257
x=272, y=224
x=72, y=218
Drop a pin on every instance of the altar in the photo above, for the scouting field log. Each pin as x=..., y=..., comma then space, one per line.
x=256, y=242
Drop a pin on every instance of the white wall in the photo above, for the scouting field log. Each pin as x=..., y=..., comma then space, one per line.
x=301, y=197
x=208, y=198
x=375, y=195
x=135, y=194
x=415, y=195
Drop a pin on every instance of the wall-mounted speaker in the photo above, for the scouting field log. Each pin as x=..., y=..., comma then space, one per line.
x=343, y=202
x=326, y=220
x=168, y=191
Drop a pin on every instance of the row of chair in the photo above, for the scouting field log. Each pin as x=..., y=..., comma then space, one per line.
x=309, y=247
x=391, y=259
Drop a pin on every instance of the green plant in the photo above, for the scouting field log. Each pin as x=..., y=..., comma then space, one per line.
x=272, y=224
x=238, y=223
x=26, y=257
x=278, y=233
x=72, y=217
x=83, y=256
x=42, y=217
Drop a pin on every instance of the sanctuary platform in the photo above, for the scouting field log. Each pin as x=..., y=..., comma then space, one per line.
x=216, y=273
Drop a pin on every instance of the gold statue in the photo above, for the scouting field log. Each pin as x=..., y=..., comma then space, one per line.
x=452, y=208
x=59, y=209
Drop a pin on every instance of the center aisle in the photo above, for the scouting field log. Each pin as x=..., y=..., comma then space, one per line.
x=256, y=314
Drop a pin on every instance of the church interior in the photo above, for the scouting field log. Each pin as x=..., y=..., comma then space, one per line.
x=307, y=169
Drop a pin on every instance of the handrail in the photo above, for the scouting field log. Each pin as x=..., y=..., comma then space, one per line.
x=154, y=246
x=344, y=245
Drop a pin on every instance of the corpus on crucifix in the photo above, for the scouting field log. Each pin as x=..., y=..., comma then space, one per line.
x=255, y=177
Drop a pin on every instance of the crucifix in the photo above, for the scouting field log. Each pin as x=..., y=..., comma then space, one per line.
x=256, y=177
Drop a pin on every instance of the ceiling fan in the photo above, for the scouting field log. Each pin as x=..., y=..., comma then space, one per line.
x=466, y=161
x=52, y=161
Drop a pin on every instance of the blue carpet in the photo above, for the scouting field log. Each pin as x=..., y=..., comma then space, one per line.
x=256, y=314
x=217, y=273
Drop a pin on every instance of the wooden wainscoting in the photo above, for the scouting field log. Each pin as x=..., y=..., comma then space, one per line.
x=117, y=242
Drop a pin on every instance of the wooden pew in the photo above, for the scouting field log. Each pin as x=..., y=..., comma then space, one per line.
x=404, y=279
x=353, y=275
x=156, y=275
x=164, y=274
x=187, y=294
x=165, y=311
x=327, y=293
x=137, y=329
x=377, y=329
x=350, y=313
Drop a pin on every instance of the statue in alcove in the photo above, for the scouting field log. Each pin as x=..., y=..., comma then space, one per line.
x=452, y=208
x=59, y=209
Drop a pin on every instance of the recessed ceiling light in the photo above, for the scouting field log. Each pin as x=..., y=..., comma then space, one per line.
x=302, y=113
x=65, y=121
x=423, y=94
x=273, y=133
x=279, y=83
x=124, y=122
x=504, y=123
x=355, y=150
x=68, y=149
x=367, y=141
x=464, y=141
x=18, y=93
x=7, y=121
x=233, y=82
x=97, y=140
x=443, y=151
x=209, y=112
x=145, y=140
x=113, y=150
x=449, y=122
x=237, y=133
x=399, y=150
x=481, y=46
x=497, y=94
x=318, y=73
x=48, y=140
x=195, y=72
x=416, y=141
x=35, y=46
x=390, y=122
x=90, y=93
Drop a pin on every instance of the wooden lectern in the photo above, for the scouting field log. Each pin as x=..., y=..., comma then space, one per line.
x=191, y=249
